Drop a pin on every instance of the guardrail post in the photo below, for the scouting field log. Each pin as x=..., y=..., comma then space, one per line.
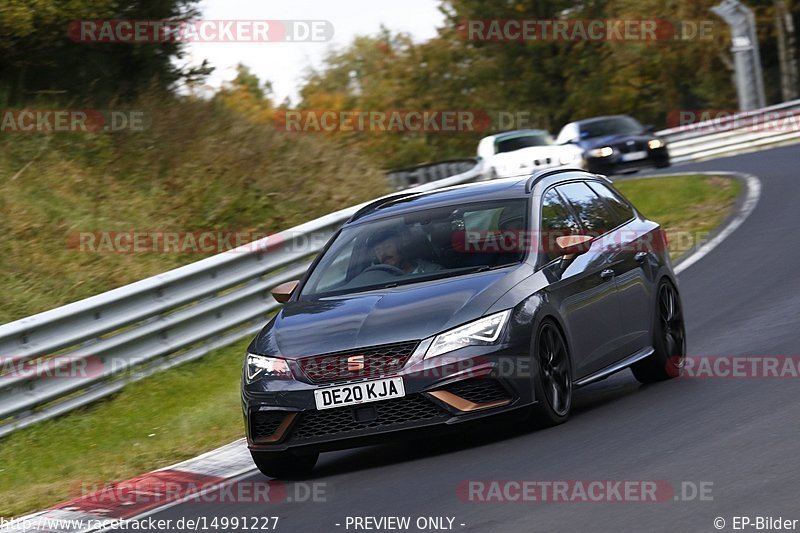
x=749, y=78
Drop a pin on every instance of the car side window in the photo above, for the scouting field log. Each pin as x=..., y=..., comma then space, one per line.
x=557, y=220
x=595, y=215
x=623, y=211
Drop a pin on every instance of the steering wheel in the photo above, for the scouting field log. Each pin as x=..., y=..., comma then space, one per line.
x=382, y=267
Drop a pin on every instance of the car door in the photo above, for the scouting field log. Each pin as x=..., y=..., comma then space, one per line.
x=630, y=243
x=581, y=287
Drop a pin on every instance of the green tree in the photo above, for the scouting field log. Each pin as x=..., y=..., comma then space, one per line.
x=37, y=57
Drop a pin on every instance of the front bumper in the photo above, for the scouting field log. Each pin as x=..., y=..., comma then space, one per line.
x=614, y=164
x=470, y=383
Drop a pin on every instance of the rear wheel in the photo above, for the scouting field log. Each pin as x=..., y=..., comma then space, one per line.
x=669, y=338
x=284, y=465
x=552, y=381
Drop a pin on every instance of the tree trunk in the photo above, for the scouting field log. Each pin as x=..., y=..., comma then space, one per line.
x=784, y=26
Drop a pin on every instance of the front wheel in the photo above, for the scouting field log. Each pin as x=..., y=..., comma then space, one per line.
x=284, y=465
x=552, y=381
x=669, y=338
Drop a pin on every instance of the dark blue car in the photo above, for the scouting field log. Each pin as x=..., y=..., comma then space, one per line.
x=615, y=144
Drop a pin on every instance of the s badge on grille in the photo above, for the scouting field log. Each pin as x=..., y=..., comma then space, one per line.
x=355, y=363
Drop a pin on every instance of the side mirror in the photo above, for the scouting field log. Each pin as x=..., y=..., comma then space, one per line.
x=649, y=128
x=571, y=245
x=284, y=291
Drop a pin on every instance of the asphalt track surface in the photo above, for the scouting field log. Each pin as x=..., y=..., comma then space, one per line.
x=741, y=435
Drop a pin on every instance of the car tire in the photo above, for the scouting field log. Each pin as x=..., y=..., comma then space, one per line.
x=284, y=465
x=552, y=376
x=669, y=338
x=664, y=164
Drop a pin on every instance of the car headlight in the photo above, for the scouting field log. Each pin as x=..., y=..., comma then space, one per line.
x=655, y=143
x=605, y=151
x=483, y=331
x=259, y=366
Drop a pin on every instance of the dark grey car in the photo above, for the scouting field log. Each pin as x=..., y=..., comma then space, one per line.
x=432, y=309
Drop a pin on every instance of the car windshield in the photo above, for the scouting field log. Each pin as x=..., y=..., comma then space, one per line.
x=511, y=144
x=421, y=246
x=610, y=126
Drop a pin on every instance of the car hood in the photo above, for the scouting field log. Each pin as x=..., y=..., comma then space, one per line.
x=404, y=313
x=610, y=140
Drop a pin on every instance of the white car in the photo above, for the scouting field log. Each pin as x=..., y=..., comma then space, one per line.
x=522, y=152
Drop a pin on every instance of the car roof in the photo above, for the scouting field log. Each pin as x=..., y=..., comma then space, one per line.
x=518, y=133
x=598, y=119
x=458, y=194
x=498, y=189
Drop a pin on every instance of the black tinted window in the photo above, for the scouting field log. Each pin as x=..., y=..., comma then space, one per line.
x=610, y=126
x=595, y=215
x=622, y=210
x=422, y=245
x=557, y=220
x=518, y=143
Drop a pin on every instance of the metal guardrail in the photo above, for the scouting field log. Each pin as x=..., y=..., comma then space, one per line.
x=403, y=178
x=100, y=344
x=134, y=331
x=735, y=133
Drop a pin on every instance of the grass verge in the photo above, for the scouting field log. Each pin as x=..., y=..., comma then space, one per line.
x=688, y=207
x=194, y=408
x=197, y=166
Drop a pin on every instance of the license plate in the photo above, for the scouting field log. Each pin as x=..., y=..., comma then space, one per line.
x=356, y=393
x=633, y=156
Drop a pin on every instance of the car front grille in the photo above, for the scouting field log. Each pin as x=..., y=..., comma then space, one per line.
x=343, y=422
x=479, y=390
x=370, y=362
x=636, y=146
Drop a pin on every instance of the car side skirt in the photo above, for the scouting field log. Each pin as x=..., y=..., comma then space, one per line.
x=616, y=367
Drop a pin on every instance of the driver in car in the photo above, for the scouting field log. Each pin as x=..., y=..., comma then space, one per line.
x=388, y=250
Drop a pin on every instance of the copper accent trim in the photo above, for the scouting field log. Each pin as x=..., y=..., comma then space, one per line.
x=572, y=245
x=278, y=435
x=466, y=406
x=284, y=291
x=565, y=241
